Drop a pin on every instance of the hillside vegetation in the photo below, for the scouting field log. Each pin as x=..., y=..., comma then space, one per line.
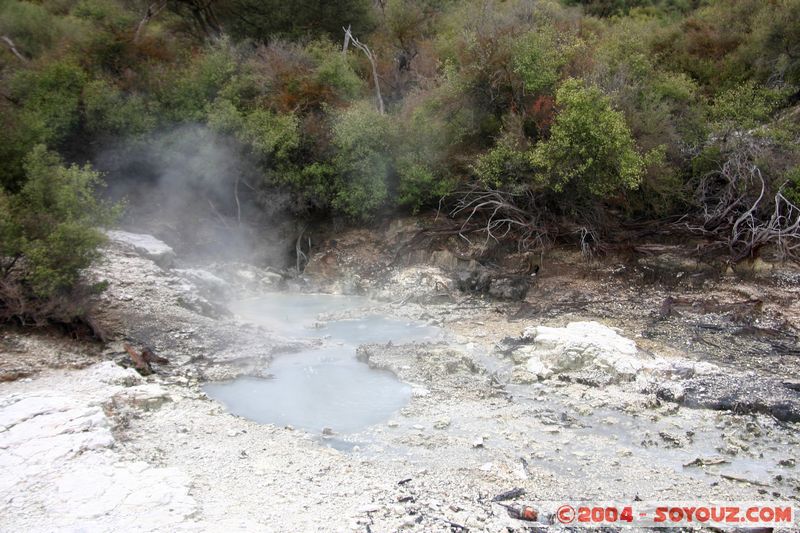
x=534, y=121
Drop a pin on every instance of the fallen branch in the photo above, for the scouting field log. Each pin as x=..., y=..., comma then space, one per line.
x=139, y=362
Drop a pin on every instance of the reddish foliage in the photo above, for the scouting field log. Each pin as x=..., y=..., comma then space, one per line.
x=705, y=41
x=542, y=111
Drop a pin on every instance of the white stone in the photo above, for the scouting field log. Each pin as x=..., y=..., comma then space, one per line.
x=60, y=467
x=203, y=278
x=113, y=374
x=145, y=245
x=582, y=345
x=146, y=397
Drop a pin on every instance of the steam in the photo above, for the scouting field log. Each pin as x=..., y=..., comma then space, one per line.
x=181, y=186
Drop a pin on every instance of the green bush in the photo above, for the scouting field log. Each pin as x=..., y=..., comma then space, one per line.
x=590, y=149
x=49, y=234
x=184, y=95
x=109, y=112
x=54, y=222
x=745, y=106
x=360, y=137
x=422, y=147
x=32, y=28
x=263, y=20
x=50, y=99
x=792, y=188
x=537, y=60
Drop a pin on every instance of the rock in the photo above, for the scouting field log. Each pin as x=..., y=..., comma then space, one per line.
x=442, y=423
x=145, y=245
x=739, y=393
x=706, y=461
x=672, y=440
x=671, y=392
x=580, y=346
x=510, y=288
x=272, y=280
x=682, y=369
x=60, y=464
x=444, y=259
x=204, y=280
x=246, y=275
x=483, y=281
x=145, y=397
x=793, y=384
x=113, y=374
x=202, y=306
x=478, y=443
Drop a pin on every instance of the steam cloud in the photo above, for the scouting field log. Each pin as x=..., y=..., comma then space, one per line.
x=179, y=185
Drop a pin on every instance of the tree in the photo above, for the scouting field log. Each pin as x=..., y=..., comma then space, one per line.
x=263, y=20
x=50, y=235
x=360, y=136
x=590, y=149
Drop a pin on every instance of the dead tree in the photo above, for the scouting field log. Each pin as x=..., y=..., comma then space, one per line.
x=350, y=38
x=11, y=46
x=152, y=10
x=201, y=11
x=301, y=257
x=742, y=207
x=500, y=215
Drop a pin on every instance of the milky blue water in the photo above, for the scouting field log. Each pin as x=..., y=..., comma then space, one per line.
x=324, y=387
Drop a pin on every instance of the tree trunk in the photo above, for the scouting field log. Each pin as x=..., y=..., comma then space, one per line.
x=349, y=37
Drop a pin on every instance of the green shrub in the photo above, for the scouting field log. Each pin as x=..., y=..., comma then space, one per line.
x=32, y=28
x=50, y=99
x=590, y=148
x=332, y=70
x=792, y=188
x=184, y=95
x=108, y=111
x=56, y=216
x=746, y=106
x=48, y=236
x=537, y=60
x=422, y=147
x=360, y=137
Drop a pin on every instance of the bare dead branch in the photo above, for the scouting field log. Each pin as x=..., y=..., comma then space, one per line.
x=349, y=37
x=501, y=215
x=6, y=39
x=152, y=10
x=739, y=206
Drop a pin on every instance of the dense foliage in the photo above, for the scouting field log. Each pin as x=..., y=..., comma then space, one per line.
x=649, y=109
x=49, y=234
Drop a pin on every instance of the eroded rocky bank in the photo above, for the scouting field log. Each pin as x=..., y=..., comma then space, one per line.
x=609, y=380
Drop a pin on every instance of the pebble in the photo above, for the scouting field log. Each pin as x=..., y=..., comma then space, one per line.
x=442, y=423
